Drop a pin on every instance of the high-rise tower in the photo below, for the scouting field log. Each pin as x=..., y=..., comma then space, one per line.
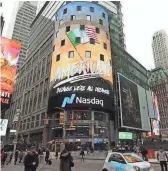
x=160, y=49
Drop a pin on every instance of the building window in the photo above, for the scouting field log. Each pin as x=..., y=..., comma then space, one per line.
x=91, y=9
x=73, y=17
x=58, y=58
x=78, y=8
x=103, y=14
x=88, y=17
x=101, y=57
x=105, y=46
x=67, y=28
x=92, y=41
x=100, y=21
x=62, y=42
x=107, y=36
x=78, y=40
x=57, y=18
x=88, y=54
x=71, y=54
x=56, y=34
x=60, y=22
x=65, y=11
x=82, y=27
x=97, y=30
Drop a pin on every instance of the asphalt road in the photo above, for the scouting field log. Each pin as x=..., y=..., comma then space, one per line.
x=87, y=165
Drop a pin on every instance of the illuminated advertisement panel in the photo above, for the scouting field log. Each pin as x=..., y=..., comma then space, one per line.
x=156, y=107
x=81, y=71
x=10, y=50
x=155, y=126
x=129, y=103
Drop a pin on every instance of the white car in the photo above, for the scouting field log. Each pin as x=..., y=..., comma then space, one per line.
x=116, y=161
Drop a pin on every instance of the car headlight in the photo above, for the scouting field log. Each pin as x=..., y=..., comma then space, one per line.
x=136, y=168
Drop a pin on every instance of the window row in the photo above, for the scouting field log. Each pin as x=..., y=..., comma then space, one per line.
x=82, y=27
x=79, y=8
x=88, y=18
x=78, y=40
x=71, y=55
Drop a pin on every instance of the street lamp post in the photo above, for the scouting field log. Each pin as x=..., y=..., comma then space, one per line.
x=17, y=119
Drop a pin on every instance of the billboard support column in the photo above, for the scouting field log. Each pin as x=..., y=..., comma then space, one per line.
x=92, y=128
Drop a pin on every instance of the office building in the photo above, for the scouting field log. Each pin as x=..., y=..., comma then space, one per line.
x=158, y=82
x=21, y=31
x=160, y=49
x=69, y=48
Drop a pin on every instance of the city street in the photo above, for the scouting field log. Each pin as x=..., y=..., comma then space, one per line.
x=87, y=165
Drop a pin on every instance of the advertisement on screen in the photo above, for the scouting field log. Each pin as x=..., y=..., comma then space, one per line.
x=156, y=107
x=129, y=103
x=155, y=126
x=81, y=71
x=9, y=56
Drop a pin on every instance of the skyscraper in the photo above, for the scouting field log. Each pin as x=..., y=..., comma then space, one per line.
x=21, y=32
x=160, y=49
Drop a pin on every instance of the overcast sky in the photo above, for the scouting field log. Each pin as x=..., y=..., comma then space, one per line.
x=141, y=19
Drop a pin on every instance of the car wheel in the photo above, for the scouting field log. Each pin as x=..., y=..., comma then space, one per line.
x=104, y=170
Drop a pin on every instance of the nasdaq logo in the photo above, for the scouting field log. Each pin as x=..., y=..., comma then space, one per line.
x=68, y=100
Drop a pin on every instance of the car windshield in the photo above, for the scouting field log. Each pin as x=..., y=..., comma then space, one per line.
x=132, y=158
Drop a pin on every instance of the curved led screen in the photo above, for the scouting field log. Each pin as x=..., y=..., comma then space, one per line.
x=81, y=72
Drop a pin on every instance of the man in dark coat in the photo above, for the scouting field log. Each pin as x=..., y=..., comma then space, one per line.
x=66, y=161
x=31, y=160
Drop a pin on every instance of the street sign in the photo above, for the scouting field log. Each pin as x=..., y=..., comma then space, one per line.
x=13, y=130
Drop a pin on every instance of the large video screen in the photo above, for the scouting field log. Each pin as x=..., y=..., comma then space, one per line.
x=129, y=103
x=10, y=51
x=81, y=71
x=155, y=126
x=156, y=107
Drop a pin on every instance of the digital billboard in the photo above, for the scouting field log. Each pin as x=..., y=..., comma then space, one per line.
x=156, y=107
x=125, y=135
x=155, y=126
x=3, y=126
x=10, y=51
x=81, y=71
x=129, y=103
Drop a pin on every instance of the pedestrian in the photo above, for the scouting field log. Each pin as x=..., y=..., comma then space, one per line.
x=82, y=153
x=21, y=154
x=41, y=158
x=10, y=159
x=162, y=158
x=66, y=161
x=31, y=160
x=47, y=156
x=144, y=153
x=4, y=156
x=16, y=156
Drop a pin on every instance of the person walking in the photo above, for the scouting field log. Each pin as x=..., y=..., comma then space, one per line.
x=31, y=160
x=16, y=156
x=66, y=161
x=47, y=156
x=41, y=158
x=4, y=156
x=144, y=153
x=10, y=159
x=21, y=156
x=162, y=158
x=82, y=153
